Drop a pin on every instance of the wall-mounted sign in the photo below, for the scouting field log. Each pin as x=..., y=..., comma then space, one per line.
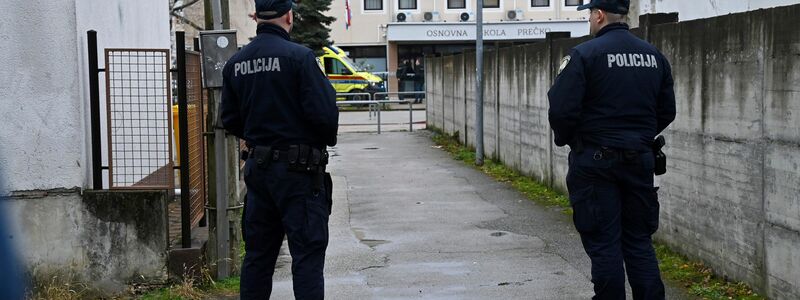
x=465, y=31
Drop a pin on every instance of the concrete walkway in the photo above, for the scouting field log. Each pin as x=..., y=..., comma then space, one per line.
x=409, y=222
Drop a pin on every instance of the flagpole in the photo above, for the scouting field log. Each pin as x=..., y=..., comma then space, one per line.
x=347, y=15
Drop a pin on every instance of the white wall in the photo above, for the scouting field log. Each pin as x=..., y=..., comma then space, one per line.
x=40, y=102
x=698, y=9
x=122, y=23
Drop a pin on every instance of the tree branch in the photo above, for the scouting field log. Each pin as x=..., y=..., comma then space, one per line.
x=187, y=21
x=190, y=3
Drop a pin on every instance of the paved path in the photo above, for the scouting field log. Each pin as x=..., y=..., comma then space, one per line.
x=409, y=222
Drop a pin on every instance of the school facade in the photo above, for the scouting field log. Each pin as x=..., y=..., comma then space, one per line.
x=383, y=33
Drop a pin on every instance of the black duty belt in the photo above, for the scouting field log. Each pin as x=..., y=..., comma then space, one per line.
x=301, y=158
x=610, y=152
x=272, y=154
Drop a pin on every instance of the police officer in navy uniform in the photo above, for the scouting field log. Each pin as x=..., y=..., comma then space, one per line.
x=612, y=97
x=276, y=98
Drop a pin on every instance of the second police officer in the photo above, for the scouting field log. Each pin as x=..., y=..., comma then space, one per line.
x=613, y=95
x=276, y=98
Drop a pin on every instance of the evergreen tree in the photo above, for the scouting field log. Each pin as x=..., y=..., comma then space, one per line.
x=311, y=26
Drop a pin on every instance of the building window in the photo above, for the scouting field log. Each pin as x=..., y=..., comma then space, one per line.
x=491, y=3
x=373, y=4
x=408, y=4
x=540, y=3
x=456, y=4
x=574, y=2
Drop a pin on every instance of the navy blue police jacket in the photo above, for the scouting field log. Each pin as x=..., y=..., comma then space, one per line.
x=615, y=90
x=275, y=94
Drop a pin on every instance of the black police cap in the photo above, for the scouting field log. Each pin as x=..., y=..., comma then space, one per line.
x=612, y=6
x=270, y=9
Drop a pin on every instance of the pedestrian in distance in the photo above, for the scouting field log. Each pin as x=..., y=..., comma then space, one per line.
x=402, y=70
x=419, y=80
x=403, y=73
x=277, y=99
x=612, y=97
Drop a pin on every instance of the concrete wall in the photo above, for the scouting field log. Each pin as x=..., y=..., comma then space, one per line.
x=105, y=239
x=45, y=159
x=469, y=95
x=535, y=134
x=730, y=197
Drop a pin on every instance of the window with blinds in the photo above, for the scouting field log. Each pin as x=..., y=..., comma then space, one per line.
x=408, y=4
x=373, y=4
x=491, y=3
x=574, y=2
x=456, y=4
x=540, y=3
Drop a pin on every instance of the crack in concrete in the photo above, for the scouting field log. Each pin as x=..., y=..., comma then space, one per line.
x=371, y=267
x=39, y=194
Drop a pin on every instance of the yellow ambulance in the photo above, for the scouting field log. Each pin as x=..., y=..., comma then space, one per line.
x=346, y=76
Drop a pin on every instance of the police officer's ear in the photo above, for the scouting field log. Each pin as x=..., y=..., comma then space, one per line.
x=599, y=16
x=295, y=4
x=290, y=17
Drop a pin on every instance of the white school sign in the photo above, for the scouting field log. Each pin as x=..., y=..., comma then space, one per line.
x=465, y=31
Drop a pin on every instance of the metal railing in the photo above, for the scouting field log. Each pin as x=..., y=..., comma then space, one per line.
x=375, y=105
x=387, y=94
x=367, y=95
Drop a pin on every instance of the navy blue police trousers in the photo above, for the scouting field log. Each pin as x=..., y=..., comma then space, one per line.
x=615, y=210
x=283, y=203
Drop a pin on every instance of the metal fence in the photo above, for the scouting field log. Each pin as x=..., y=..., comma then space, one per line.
x=196, y=146
x=191, y=120
x=139, y=119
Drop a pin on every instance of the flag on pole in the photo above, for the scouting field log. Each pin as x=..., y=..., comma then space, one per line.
x=347, y=14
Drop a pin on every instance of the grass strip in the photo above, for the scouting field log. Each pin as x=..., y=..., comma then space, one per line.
x=524, y=184
x=190, y=289
x=698, y=279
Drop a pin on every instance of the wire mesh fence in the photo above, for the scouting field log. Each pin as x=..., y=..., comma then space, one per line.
x=139, y=119
x=196, y=121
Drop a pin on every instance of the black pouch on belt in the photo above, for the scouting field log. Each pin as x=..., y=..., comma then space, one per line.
x=661, y=158
x=329, y=191
x=317, y=168
x=315, y=159
x=298, y=158
x=262, y=156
